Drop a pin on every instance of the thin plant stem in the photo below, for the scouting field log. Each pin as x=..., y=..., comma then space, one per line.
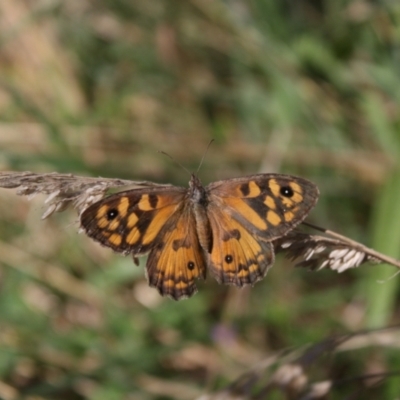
x=357, y=245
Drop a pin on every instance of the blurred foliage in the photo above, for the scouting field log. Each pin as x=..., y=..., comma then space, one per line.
x=97, y=88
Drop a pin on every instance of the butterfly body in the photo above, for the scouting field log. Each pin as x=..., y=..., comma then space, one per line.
x=227, y=227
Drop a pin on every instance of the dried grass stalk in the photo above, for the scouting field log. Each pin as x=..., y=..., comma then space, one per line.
x=333, y=251
x=66, y=190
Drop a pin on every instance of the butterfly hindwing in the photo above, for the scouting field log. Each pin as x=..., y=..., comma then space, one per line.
x=237, y=257
x=177, y=260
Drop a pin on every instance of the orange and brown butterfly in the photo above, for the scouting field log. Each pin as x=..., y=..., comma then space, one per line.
x=227, y=227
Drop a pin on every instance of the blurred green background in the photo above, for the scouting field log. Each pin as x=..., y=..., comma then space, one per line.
x=97, y=88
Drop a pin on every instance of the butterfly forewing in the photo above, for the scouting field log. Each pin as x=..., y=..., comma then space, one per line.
x=268, y=205
x=131, y=221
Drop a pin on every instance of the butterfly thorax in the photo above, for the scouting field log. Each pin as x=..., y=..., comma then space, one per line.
x=197, y=192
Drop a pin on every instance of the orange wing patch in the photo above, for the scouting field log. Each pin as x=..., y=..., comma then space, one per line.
x=251, y=214
x=157, y=223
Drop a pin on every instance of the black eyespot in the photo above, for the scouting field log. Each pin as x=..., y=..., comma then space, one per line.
x=286, y=191
x=228, y=259
x=112, y=214
x=190, y=265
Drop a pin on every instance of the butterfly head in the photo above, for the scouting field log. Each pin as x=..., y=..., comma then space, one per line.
x=197, y=192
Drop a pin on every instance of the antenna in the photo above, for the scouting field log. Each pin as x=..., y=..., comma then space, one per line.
x=176, y=162
x=204, y=156
x=185, y=169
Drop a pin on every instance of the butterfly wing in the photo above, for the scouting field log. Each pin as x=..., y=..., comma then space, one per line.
x=236, y=257
x=131, y=221
x=177, y=260
x=268, y=205
x=246, y=214
x=155, y=221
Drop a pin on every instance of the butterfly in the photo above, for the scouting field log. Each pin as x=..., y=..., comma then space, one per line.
x=227, y=227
